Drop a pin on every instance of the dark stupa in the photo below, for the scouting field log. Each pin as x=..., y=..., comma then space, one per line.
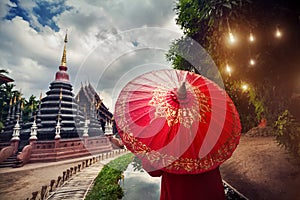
x=59, y=104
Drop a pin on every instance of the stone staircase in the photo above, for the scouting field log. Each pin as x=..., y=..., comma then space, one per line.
x=11, y=162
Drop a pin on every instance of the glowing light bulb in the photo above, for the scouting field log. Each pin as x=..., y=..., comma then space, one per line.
x=251, y=37
x=278, y=33
x=231, y=38
x=228, y=69
x=252, y=62
x=244, y=87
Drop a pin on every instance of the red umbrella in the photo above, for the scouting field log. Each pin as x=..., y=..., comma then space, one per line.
x=178, y=121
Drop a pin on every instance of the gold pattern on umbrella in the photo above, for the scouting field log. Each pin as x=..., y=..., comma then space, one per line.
x=185, y=115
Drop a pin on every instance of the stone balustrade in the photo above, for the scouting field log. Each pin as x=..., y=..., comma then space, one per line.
x=6, y=152
x=54, y=184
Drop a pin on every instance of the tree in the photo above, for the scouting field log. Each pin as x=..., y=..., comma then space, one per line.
x=7, y=96
x=7, y=93
x=30, y=107
x=211, y=22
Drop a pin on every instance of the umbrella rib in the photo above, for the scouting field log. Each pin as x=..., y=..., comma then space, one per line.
x=140, y=84
x=159, y=77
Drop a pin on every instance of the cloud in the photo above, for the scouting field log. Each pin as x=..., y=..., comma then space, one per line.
x=45, y=11
x=5, y=6
x=108, y=41
x=37, y=13
x=116, y=61
x=135, y=13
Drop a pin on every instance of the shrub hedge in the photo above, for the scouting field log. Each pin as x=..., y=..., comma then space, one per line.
x=106, y=185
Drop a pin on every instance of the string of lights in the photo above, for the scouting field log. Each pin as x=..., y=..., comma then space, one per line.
x=232, y=40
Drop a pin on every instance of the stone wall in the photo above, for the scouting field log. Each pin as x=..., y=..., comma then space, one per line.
x=61, y=149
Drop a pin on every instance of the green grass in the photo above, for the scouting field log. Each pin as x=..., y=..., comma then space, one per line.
x=106, y=185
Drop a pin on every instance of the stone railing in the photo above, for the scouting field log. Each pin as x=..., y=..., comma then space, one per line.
x=4, y=144
x=117, y=143
x=24, y=156
x=47, y=190
x=6, y=152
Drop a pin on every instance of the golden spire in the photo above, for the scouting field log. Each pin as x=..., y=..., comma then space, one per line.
x=64, y=57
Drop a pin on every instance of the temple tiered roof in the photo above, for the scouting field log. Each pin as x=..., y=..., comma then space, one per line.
x=88, y=98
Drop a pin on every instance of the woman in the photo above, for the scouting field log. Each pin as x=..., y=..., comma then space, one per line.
x=204, y=186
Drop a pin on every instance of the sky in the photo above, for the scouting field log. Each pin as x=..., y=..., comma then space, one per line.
x=109, y=42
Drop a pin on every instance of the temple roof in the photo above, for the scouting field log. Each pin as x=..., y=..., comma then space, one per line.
x=5, y=79
x=89, y=98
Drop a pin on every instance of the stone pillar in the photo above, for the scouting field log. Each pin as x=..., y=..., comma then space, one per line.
x=33, y=133
x=57, y=130
x=57, y=134
x=15, y=136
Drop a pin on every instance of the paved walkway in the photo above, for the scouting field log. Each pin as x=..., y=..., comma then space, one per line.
x=77, y=187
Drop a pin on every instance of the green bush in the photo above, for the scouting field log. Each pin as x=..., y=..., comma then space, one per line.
x=288, y=133
x=106, y=185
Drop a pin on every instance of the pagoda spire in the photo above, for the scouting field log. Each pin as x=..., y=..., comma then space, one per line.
x=64, y=56
x=13, y=114
x=19, y=105
x=62, y=74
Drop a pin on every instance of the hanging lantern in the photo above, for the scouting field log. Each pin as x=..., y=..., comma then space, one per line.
x=278, y=33
x=244, y=87
x=252, y=62
x=251, y=37
x=228, y=69
x=230, y=34
x=231, y=38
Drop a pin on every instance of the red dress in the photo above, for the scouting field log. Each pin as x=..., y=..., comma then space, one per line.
x=206, y=186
